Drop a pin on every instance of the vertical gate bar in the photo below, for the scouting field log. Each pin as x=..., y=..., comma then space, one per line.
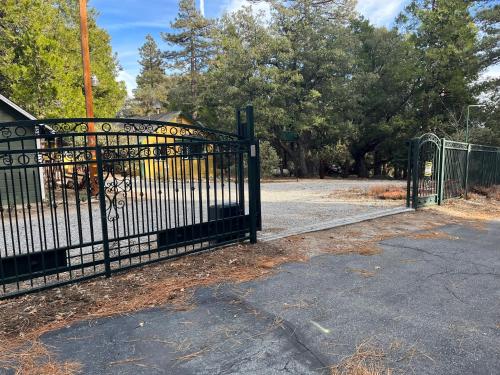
x=415, y=151
x=408, y=173
x=441, y=171
x=241, y=172
x=257, y=183
x=495, y=180
x=252, y=175
x=482, y=183
x=467, y=171
x=102, y=206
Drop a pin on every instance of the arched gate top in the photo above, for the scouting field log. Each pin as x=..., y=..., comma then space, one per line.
x=140, y=127
x=430, y=137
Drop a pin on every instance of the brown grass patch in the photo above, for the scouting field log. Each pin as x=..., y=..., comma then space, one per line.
x=477, y=208
x=366, y=360
x=389, y=192
x=492, y=192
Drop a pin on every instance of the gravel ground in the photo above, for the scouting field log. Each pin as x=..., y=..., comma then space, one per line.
x=296, y=204
x=285, y=205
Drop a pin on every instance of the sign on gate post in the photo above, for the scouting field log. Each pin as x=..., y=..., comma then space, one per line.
x=428, y=169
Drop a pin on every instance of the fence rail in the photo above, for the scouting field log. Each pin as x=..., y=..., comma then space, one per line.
x=449, y=166
x=76, y=204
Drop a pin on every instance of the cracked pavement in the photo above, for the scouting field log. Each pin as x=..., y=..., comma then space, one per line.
x=431, y=304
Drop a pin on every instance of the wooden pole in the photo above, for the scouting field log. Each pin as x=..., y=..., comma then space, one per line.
x=87, y=79
x=87, y=82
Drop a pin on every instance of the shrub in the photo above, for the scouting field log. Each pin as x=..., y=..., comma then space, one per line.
x=269, y=159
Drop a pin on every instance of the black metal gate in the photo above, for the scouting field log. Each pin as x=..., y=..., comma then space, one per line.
x=424, y=165
x=129, y=193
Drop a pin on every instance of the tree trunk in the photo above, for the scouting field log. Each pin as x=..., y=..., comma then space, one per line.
x=377, y=165
x=322, y=169
x=301, y=166
x=360, y=165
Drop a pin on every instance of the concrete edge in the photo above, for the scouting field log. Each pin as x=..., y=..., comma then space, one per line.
x=334, y=223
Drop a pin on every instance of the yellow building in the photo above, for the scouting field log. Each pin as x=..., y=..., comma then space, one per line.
x=186, y=161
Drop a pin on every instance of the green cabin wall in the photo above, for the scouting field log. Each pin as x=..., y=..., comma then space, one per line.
x=18, y=186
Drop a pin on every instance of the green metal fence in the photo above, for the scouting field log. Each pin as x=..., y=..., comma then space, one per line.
x=439, y=169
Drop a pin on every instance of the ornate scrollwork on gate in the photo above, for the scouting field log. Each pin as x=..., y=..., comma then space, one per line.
x=456, y=145
x=115, y=192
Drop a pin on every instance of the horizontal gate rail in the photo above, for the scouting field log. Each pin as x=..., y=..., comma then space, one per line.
x=147, y=191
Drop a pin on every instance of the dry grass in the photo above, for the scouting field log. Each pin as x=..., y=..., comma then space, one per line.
x=477, y=208
x=388, y=192
x=492, y=192
x=34, y=358
x=366, y=360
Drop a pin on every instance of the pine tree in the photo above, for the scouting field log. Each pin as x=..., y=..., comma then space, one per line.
x=444, y=37
x=191, y=47
x=151, y=91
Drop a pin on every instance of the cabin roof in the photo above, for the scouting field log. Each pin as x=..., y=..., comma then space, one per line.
x=18, y=109
x=171, y=117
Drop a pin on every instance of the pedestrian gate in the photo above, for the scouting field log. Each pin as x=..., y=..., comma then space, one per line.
x=423, y=180
x=439, y=169
x=129, y=193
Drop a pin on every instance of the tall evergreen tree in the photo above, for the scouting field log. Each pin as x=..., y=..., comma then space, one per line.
x=151, y=92
x=40, y=60
x=445, y=38
x=191, y=48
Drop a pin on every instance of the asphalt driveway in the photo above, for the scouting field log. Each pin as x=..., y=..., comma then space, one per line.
x=430, y=303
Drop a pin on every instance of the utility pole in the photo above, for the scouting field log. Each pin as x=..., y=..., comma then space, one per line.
x=87, y=82
x=467, y=120
x=202, y=7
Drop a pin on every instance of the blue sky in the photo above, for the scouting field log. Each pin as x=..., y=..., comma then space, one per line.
x=129, y=21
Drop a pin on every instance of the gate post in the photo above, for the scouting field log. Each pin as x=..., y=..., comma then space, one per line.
x=467, y=171
x=102, y=206
x=415, y=171
x=409, y=173
x=252, y=175
x=441, y=171
x=259, y=210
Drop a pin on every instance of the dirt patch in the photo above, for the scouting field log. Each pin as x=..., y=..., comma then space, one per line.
x=170, y=283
